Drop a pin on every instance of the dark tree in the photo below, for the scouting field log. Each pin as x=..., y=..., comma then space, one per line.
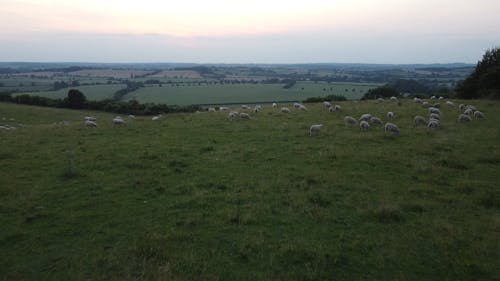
x=381, y=92
x=484, y=81
x=75, y=99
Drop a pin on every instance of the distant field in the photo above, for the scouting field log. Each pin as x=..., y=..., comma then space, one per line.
x=176, y=74
x=93, y=92
x=246, y=93
x=111, y=73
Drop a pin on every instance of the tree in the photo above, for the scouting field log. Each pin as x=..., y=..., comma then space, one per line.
x=381, y=92
x=484, y=81
x=75, y=99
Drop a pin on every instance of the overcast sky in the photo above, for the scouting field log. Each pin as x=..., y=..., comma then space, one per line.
x=257, y=31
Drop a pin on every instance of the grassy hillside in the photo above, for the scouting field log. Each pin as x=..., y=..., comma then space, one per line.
x=198, y=197
x=92, y=92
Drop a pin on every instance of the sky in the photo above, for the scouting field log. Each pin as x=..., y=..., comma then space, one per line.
x=256, y=31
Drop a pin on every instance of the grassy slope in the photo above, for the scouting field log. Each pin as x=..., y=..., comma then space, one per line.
x=196, y=197
x=247, y=93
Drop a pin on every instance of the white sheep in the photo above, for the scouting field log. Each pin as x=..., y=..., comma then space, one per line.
x=441, y=98
x=90, y=118
x=349, y=121
x=433, y=97
x=425, y=104
x=90, y=123
x=327, y=104
x=434, y=116
x=450, y=103
x=365, y=117
x=338, y=108
x=331, y=109
x=468, y=111
x=393, y=128
x=118, y=121
x=155, y=118
x=419, y=120
x=223, y=108
x=244, y=116
x=417, y=100
x=471, y=107
x=232, y=115
x=315, y=129
x=434, y=110
x=364, y=125
x=302, y=107
x=275, y=105
x=285, y=110
x=461, y=107
x=211, y=109
x=131, y=116
x=464, y=118
x=296, y=104
x=380, y=100
x=376, y=121
x=390, y=115
x=245, y=106
x=478, y=114
x=393, y=98
x=433, y=124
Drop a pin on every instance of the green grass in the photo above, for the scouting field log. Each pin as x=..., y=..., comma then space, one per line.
x=197, y=197
x=246, y=93
x=92, y=92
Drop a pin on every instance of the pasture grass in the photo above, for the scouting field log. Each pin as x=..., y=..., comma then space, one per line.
x=198, y=197
x=91, y=92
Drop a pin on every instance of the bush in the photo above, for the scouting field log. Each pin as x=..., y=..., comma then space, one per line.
x=327, y=98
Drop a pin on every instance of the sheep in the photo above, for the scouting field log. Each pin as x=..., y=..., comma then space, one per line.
x=331, y=109
x=90, y=123
x=244, y=116
x=393, y=128
x=349, y=121
x=434, y=116
x=433, y=97
x=425, y=104
x=450, y=103
x=376, y=121
x=380, y=100
x=364, y=125
x=434, y=110
x=118, y=121
x=296, y=104
x=441, y=98
x=211, y=109
x=316, y=129
x=419, y=120
x=131, y=116
x=468, y=111
x=365, y=117
x=433, y=124
x=256, y=109
x=338, y=108
x=4, y=128
x=155, y=118
x=464, y=118
x=417, y=100
x=90, y=118
x=461, y=107
x=471, y=107
x=478, y=114
x=327, y=104
x=223, y=108
x=285, y=110
x=245, y=106
x=232, y=115
x=275, y=105
x=436, y=105
x=302, y=107
x=393, y=98
x=390, y=115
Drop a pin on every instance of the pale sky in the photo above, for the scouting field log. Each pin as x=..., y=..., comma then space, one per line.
x=257, y=31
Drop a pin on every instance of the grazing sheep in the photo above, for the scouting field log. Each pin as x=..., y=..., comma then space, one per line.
x=393, y=128
x=90, y=123
x=302, y=107
x=433, y=97
x=393, y=98
x=468, y=111
x=433, y=124
x=296, y=104
x=441, y=98
x=471, y=107
x=4, y=128
x=376, y=121
x=349, y=121
x=390, y=115
x=380, y=100
x=436, y=105
x=461, y=107
x=450, y=103
x=211, y=109
x=131, y=116
x=223, y=108
x=232, y=115
x=419, y=120
x=155, y=118
x=478, y=114
x=275, y=105
x=90, y=118
x=285, y=110
x=434, y=116
x=434, y=110
x=365, y=117
x=464, y=118
x=417, y=100
x=338, y=108
x=331, y=109
x=327, y=104
x=245, y=106
x=316, y=129
x=244, y=116
x=364, y=125
x=425, y=104
x=118, y=121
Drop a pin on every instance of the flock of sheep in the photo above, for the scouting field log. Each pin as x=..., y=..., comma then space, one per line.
x=365, y=121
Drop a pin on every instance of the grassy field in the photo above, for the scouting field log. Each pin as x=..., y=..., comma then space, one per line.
x=93, y=92
x=246, y=93
x=198, y=197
